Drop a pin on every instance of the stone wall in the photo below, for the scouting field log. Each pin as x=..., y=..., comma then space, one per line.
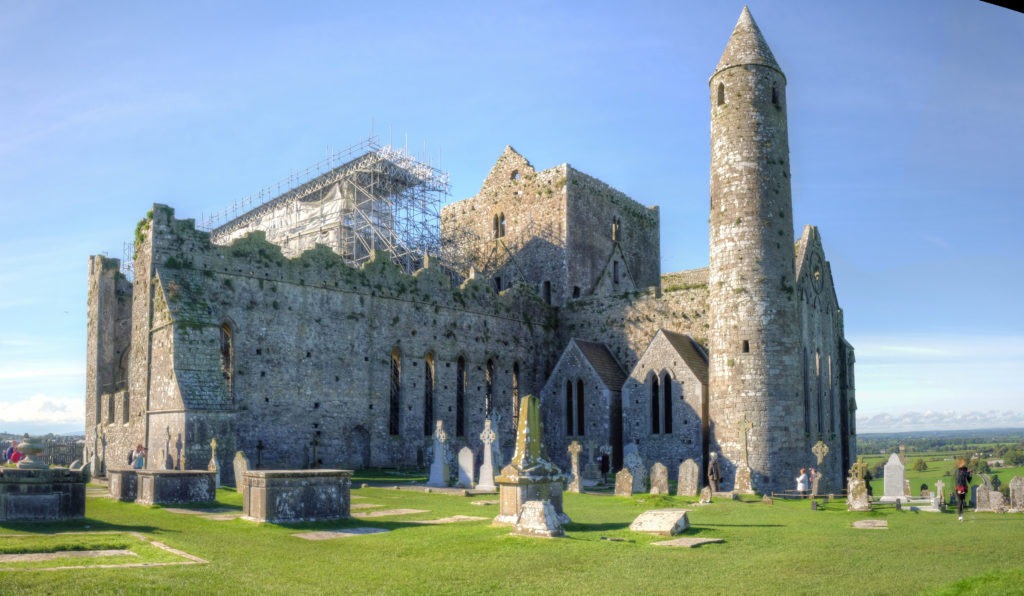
x=755, y=330
x=249, y=346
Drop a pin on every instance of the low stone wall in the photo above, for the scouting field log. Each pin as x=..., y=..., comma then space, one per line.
x=123, y=485
x=286, y=496
x=44, y=495
x=167, y=487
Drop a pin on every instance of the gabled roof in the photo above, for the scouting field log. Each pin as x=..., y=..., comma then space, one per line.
x=603, y=363
x=747, y=46
x=691, y=353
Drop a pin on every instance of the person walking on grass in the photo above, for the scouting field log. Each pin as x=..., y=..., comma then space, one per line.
x=963, y=484
x=801, y=482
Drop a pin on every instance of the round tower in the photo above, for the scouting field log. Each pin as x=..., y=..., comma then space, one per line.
x=754, y=402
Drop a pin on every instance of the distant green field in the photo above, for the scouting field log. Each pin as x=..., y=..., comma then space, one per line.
x=780, y=548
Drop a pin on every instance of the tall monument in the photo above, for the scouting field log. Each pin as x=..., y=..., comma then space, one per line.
x=754, y=369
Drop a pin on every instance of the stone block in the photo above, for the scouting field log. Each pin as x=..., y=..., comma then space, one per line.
x=289, y=496
x=624, y=483
x=538, y=519
x=175, y=487
x=43, y=495
x=659, y=479
x=123, y=485
x=663, y=522
x=689, y=479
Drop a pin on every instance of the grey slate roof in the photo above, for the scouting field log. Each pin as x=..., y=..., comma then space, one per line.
x=690, y=352
x=603, y=362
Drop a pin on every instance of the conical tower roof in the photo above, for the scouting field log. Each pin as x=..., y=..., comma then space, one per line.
x=746, y=46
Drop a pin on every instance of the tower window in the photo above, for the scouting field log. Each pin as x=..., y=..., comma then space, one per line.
x=490, y=388
x=497, y=283
x=227, y=358
x=428, y=394
x=655, y=410
x=396, y=391
x=775, y=96
x=746, y=346
x=616, y=229
x=460, y=397
x=515, y=395
x=575, y=291
x=615, y=271
x=721, y=94
x=547, y=292
x=515, y=175
x=579, y=407
x=667, y=408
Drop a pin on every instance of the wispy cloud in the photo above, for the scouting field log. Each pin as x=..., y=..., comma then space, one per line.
x=939, y=420
x=42, y=409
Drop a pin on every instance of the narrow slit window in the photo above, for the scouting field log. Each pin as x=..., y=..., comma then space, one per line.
x=396, y=392
x=579, y=407
x=655, y=410
x=746, y=346
x=428, y=395
x=667, y=407
x=460, y=397
x=721, y=94
x=568, y=408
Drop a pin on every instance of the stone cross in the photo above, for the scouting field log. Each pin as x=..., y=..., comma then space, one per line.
x=213, y=466
x=574, y=456
x=745, y=425
x=859, y=470
x=820, y=450
x=486, y=479
x=439, y=470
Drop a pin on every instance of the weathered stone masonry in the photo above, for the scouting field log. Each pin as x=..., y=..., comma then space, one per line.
x=306, y=361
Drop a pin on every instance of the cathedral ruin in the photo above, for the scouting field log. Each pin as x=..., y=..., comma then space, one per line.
x=333, y=323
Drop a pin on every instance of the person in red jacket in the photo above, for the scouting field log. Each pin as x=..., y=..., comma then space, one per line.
x=963, y=484
x=15, y=456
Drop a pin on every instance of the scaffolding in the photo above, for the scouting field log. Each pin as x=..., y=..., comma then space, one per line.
x=367, y=197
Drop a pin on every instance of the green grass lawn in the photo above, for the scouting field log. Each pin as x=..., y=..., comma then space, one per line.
x=781, y=548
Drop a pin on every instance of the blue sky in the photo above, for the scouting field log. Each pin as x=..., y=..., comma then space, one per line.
x=905, y=139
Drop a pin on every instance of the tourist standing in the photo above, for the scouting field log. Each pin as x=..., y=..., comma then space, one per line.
x=714, y=472
x=10, y=450
x=138, y=457
x=801, y=482
x=963, y=484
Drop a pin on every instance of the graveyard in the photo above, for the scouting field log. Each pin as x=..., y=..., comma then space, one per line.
x=767, y=548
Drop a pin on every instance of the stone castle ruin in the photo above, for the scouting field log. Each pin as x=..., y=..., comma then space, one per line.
x=335, y=323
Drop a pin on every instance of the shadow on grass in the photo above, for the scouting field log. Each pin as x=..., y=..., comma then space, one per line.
x=742, y=525
x=86, y=524
x=606, y=527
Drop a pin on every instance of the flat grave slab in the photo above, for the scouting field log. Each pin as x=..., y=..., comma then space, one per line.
x=65, y=554
x=387, y=512
x=663, y=522
x=688, y=542
x=450, y=520
x=365, y=505
x=346, y=533
x=871, y=524
x=484, y=503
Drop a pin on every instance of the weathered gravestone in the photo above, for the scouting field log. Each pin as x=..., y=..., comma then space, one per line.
x=689, y=479
x=486, y=479
x=439, y=472
x=894, y=481
x=939, y=497
x=635, y=464
x=988, y=498
x=624, y=483
x=743, y=483
x=592, y=471
x=574, y=461
x=531, y=475
x=538, y=519
x=857, y=490
x=659, y=479
x=466, y=465
x=241, y=466
x=663, y=522
x=1017, y=494
x=705, y=495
